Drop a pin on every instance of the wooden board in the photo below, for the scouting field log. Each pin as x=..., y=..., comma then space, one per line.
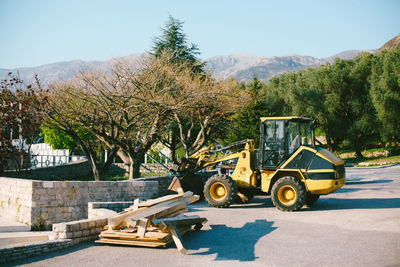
x=163, y=223
x=152, y=202
x=148, y=211
x=133, y=243
x=151, y=236
x=176, y=236
x=154, y=223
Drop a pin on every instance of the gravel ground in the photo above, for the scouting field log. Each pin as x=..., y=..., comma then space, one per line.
x=359, y=225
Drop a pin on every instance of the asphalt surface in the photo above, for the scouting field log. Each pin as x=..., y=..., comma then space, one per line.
x=359, y=225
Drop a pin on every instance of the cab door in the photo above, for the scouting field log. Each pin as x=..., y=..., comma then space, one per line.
x=272, y=144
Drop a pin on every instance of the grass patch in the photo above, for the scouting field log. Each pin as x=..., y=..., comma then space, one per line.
x=380, y=161
x=371, y=161
x=376, y=156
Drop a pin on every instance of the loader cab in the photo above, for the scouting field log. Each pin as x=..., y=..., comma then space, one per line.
x=280, y=137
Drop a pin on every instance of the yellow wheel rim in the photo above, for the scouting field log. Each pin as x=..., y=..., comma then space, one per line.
x=218, y=191
x=287, y=195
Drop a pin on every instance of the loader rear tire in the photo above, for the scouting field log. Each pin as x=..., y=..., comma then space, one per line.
x=288, y=194
x=220, y=191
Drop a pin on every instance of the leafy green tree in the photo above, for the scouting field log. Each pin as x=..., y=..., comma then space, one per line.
x=57, y=139
x=245, y=123
x=362, y=117
x=203, y=121
x=385, y=92
x=337, y=95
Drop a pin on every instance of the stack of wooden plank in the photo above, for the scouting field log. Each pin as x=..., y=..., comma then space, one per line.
x=153, y=223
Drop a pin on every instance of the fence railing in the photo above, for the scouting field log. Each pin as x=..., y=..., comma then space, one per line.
x=42, y=161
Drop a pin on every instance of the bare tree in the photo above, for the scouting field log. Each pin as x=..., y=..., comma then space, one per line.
x=58, y=116
x=125, y=108
x=128, y=107
x=203, y=118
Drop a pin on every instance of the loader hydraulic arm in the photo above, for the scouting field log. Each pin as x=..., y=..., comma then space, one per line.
x=210, y=156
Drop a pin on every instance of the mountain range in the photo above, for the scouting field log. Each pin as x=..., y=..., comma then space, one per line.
x=246, y=66
x=239, y=66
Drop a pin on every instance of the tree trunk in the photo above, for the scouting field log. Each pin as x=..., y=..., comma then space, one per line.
x=90, y=154
x=127, y=160
x=109, y=161
x=357, y=148
x=92, y=162
x=131, y=170
x=173, y=146
x=136, y=160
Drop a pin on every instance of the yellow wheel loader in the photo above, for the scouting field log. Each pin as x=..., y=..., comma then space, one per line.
x=288, y=166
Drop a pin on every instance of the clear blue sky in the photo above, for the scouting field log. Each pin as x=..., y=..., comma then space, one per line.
x=37, y=32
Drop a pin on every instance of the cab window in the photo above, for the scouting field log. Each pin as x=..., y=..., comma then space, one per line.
x=299, y=133
x=274, y=145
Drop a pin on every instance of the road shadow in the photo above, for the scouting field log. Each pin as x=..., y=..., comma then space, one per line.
x=255, y=203
x=229, y=243
x=368, y=182
x=356, y=203
x=389, y=166
x=348, y=190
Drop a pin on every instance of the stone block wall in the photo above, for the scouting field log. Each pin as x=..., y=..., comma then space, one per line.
x=46, y=202
x=54, y=202
x=116, y=206
x=163, y=183
x=144, y=168
x=154, y=167
x=16, y=198
x=79, y=231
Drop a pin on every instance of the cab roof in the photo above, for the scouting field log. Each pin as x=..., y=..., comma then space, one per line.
x=285, y=118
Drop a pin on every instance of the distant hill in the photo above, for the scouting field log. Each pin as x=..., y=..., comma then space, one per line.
x=240, y=66
x=245, y=67
x=392, y=44
x=63, y=70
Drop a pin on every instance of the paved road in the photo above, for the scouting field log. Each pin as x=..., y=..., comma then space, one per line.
x=357, y=226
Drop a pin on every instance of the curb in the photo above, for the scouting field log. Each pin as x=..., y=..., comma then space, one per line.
x=30, y=250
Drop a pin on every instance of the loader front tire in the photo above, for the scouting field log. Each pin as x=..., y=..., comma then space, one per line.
x=288, y=194
x=220, y=191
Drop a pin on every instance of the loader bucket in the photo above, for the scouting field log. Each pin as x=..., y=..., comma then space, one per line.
x=174, y=185
x=188, y=182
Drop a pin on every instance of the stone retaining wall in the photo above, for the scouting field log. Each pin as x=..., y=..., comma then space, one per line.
x=16, y=199
x=106, y=209
x=163, y=183
x=144, y=168
x=117, y=206
x=42, y=203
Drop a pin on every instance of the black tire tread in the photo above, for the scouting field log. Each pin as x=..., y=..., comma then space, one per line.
x=231, y=188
